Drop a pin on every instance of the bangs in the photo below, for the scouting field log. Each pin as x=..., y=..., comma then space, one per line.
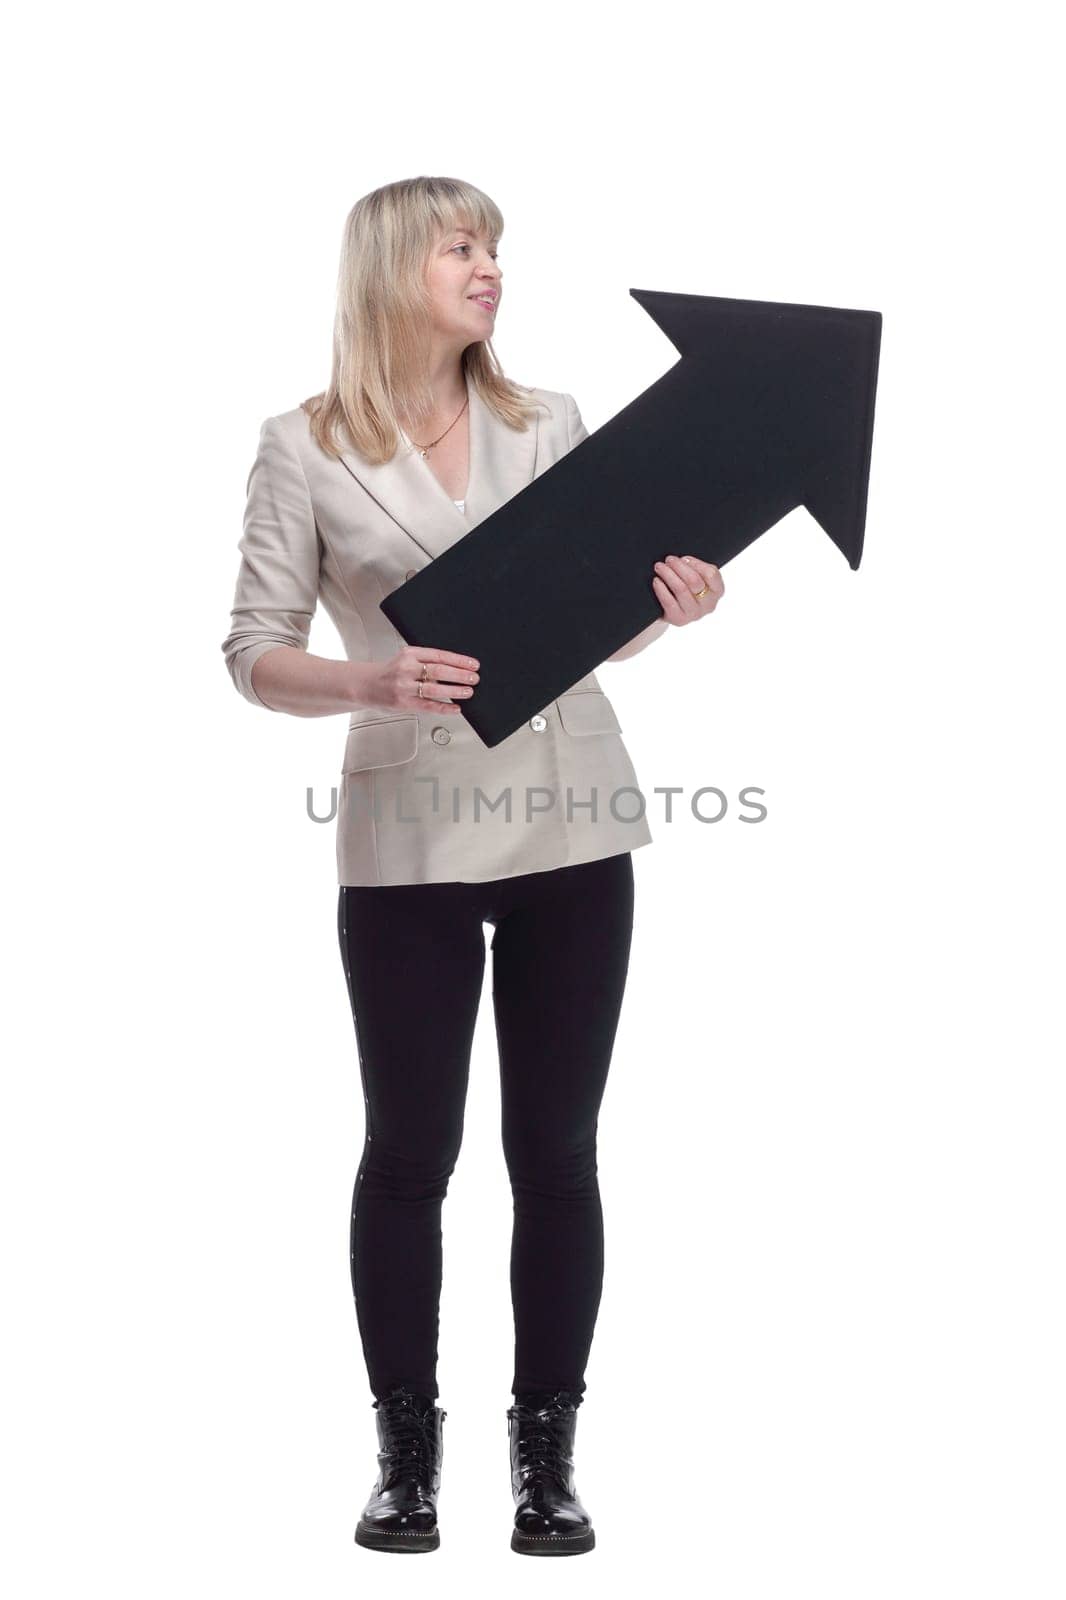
x=469, y=215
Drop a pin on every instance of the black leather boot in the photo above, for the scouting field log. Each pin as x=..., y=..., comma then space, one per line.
x=549, y=1518
x=401, y=1513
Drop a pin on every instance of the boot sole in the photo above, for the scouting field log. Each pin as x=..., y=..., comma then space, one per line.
x=553, y=1544
x=405, y=1541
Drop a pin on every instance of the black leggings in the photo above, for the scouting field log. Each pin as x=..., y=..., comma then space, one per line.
x=414, y=958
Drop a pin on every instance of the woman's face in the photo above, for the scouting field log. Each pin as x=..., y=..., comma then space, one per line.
x=465, y=284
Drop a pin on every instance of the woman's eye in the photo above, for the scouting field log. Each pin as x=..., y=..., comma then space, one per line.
x=492, y=253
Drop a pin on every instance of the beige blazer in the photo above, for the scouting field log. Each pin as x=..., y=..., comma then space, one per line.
x=421, y=798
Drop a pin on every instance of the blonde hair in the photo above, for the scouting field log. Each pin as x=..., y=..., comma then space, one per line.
x=381, y=331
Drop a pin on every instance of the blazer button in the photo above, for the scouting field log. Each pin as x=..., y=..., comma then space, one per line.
x=408, y=575
x=538, y=723
x=440, y=736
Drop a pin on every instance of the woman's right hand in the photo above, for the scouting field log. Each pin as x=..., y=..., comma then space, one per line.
x=449, y=677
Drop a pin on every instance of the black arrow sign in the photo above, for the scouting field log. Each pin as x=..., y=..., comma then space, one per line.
x=770, y=407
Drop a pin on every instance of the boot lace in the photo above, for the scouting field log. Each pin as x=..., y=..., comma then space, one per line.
x=407, y=1450
x=539, y=1451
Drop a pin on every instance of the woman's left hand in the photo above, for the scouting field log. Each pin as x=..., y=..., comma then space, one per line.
x=677, y=583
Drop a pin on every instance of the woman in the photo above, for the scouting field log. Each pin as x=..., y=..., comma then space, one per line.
x=419, y=437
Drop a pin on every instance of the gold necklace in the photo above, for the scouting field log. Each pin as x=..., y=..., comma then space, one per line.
x=424, y=449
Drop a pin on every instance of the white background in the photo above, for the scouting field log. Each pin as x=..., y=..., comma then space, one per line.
x=829, y=1354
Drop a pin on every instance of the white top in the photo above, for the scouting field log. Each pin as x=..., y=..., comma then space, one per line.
x=461, y=504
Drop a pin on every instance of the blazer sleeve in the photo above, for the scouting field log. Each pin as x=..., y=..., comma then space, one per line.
x=575, y=428
x=277, y=583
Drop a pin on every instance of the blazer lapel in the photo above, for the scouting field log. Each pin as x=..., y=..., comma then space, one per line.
x=502, y=461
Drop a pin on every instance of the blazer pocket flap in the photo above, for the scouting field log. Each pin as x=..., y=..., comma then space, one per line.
x=587, y=711
x=380, y=744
